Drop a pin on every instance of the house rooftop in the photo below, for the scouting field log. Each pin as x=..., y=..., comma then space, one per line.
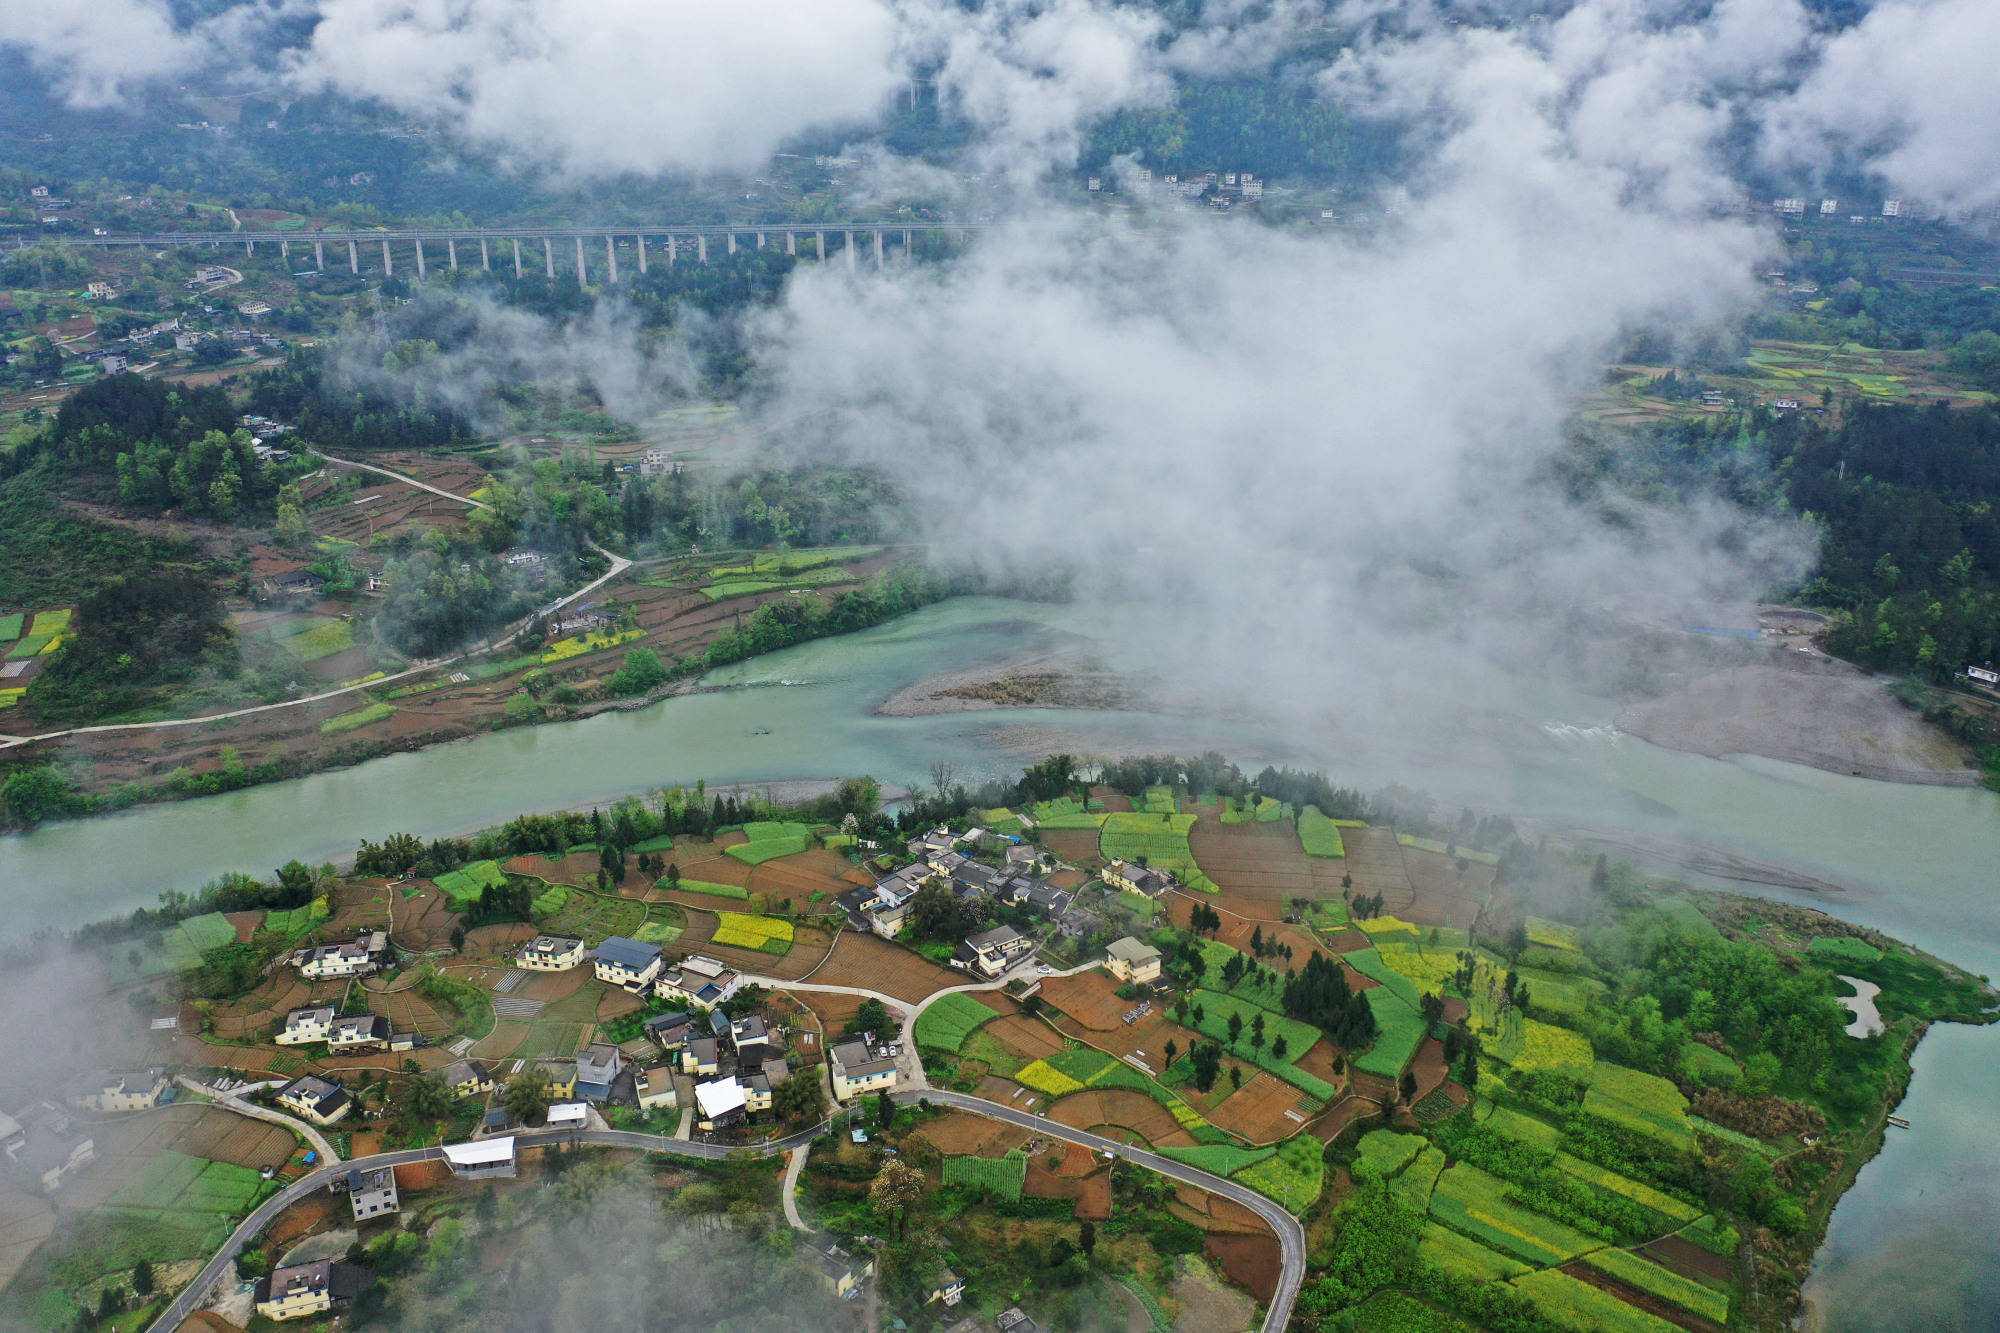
x=1129, y=950
x=718, y=1097
x=628, y=954
x=481, y=1153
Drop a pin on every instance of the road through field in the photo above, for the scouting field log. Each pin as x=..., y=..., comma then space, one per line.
x=619, y=564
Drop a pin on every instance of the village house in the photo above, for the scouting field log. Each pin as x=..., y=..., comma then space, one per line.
x=562, y=1077
x=842, y=1272
x=1012, y=1320
x=296, y=583
x=939, y=839
x=945, y=1286
x=487, y=1159
x=1027, y=859
x=467, y=1078
x=750, y=1036
x=655, y=1087
x=364, y=1032
x=314, y=1098
x=48, y=1147
x=342, y=960
x=627, y=964
x=587, y=621
x=299, y=1290
x=1034, y=895
x=1985, y=674
x=699, y=980
x=971, y=875
x=1135, y=878
x=102, y=291
x=992, y=952
x=304, y=1025
x=670, y=1032
x=125, y=1090
x=370, y=1193
x=1129, y=960
x=860, y=1067
x=550, y=953
x=597, y=1069
x=569, y=1115
x=701, y=1055
x=657, y=463
x=719, y=1104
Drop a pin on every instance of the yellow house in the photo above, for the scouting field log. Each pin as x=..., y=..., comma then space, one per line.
x=562, y=1077
x=124, y=1090
x=551, y=953
x=315, y=1099
x=304, y=1025
x=1135, y=878
x=299, y=1290
x=1132, y=961
x=858, y=1069
x=467, y=1078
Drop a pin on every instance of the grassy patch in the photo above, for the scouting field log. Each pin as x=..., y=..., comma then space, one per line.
x=1218, y=1159
x=10, y=627
x=323, y=638
x=1470, y=1201
x=1587, y=1309
x=769, y=841
x=360, y=717
x=1446, y=848
x=1400, y=1032
x=31, y=645
x=1386, y=1152
x=948, y=1021
x=1413, y=1187
x=1841, y=949
x=1467, y=1257
x=1645, y=1102
x=663, y=843
x=464, y=885
x=704, y=887
x=1395, y=1312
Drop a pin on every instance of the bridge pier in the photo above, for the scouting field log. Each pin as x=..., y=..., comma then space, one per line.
x=485, y=260
x=582, y=274
x=611, y=260
x=285, y=252
x=451, y=254
x=388, y=264
x=701, y=247
x=673, y=249
x=732, y=241
x=819, y=240
x=791, y=243
x=250, y=248
x=850, y=250
x=642, y=255
x=760, y=240
x=319, y=256
x=420, y=259
x=517, y=259
x=353, y=259
x=549, y=256
x=878, y=250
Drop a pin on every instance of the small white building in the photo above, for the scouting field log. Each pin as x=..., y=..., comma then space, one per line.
x=719, y=1104
x=655, y=1087
x=699, y=980
x=314, y=1098
x=486, y=1159
x=1984, y=673
x=569, y=1115
x=124, y=1090
x=371, y=1193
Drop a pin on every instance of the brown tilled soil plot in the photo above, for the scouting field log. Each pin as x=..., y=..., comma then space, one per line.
x=1080, y=1175
x=1375, y=859
x=1632, y=1296
x=578, y=869
x=795, y=878
x=1318, y=1061
x=809, y=946
x=1443, y=896
x=870, y=962
x=1147, y=1039
x=1257, y=1110
x=1258, y=867
x=424, y=921
x=1344, y=1113
x=1075, y=845
x=961, y=1134
x=254, y=1014
x=1251, y=1262
x=1090, y=998
x=1687, y=1258
x=1121, y=1108
x=1028, y=1037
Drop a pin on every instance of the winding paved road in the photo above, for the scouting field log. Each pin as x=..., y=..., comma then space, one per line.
x=1291, y=1236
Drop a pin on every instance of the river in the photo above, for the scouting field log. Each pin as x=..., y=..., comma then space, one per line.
x=1924, y=861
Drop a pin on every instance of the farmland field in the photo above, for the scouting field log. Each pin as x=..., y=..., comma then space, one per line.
x=1001, y=1177
x=1645, y=1102
x=767, y=934
x=1402, y=1032
x=1468, y=1200
x=1220, y=1159
x=1585, y=1308
x=1447, y=1249
x=1642, y=1274
x=10, y=627
x=1292, y=1176
x=1161, y=841
x=703, y=887
x=950, y=1020
x=463, y=886
x=322, y=637
x=1670, y=1211
x=1385, y=1152
x=768, y=841
x=360, y=717
x=1319, y=835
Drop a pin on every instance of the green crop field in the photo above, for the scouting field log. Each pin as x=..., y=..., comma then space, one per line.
x=1266, y=987
x=1670, y=1211
x=1468, y=1200
x=31, y=645
x=1417, y=1180
x=1402, y=1033
x=702, y=886
x=1217, y=1007
x=1370, y=963
x=1001, y=1177
x=548, y=902
x=463, y=886
x=1292, y=1176
x=1385, y=1152
x=1527, y=1129
x=174, y=1183
x=1395, y=1312
x=10, y=627
x=1645, y=1102
x=1161, y=840
x=1457, y=853
x=360, y=717
x=1642, y=1274
x=1580, y=1306
x=662, y=843
x=211, y=930
x=51, y=622
x=1319, y=835
x=946, y=1024
x=1460, y=1254
x=1218, y=1159
x=770, y=840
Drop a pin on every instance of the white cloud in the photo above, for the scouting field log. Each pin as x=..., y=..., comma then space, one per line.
x=98, y=52
x=1914, y=87
x=610, y=86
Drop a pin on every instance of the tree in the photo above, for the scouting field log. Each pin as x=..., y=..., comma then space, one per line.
x=458, y=938
x=898, y=1188
x=142, y=1277
x=1207, y=1064
x=871, y=1016
x=1173, y=1049
x=527, y=1096
x=800, y=1099
x=1235, y=1027
x=1236, y=1076
x=885, y=1110
x=1409, y=1085
x=1086, y=1239
x=426, y=1098
x=1278, y=1046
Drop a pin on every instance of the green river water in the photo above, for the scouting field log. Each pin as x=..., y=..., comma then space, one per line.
x=1911, y=1247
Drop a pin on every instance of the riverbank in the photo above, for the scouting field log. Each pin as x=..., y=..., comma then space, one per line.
x=1066, y=676
x=1821, y=714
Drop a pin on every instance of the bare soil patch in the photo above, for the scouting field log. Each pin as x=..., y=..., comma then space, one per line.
x=1090, y=998
x=1029, y=1038
x=1079, y=1174
x=870, y=962
x=1651, y=1304
x=1121, y=1108
x=1207, y=1306
x=1252, y=1262
x=1257, y=1109
x=1687, y=1258
x=962, y=1134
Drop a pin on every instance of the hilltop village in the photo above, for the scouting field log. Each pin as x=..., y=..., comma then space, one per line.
x=1190, y=1036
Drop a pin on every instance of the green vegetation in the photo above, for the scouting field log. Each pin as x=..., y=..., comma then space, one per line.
x=1400, y=1031
x=1219, y=1159
x=1394, y=1312
x=10, y=627
x=469, y=1008
x=1293, y=1175
x=321, y=638
x=769, y=841
x=1577, y=1305
x=1642, y=1274
x=948, y=1021
x=1843, y=949
x=360, y=717
x=1636, y=1100
x=703, y=887
x=1319, y=835
x=1000, y=1177
x=1463, y=1255
x=1385, y=1152
x=1470, y=1201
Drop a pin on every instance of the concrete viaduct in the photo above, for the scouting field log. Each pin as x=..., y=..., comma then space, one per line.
x=545, y=249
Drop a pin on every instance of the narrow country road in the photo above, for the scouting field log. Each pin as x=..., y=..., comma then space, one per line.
x=1291, y=1236
x=231, y=1101
x=619, y=564
x=795, y=1165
